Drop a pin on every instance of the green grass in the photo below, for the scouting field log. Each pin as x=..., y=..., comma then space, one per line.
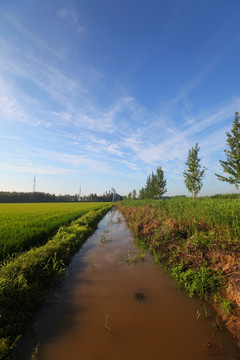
x=25, y=225
x=26, y=280
x=219, y=215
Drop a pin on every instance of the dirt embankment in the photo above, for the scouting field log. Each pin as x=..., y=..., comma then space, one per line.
x=229, y=264
x=199, y=259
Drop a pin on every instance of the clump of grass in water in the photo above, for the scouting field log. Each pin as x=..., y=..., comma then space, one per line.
x=133, y=257
x=202, y=311
x=104, y=238
x=108, y=326
x=225, y=305
x=218, y=323
x=35, y=352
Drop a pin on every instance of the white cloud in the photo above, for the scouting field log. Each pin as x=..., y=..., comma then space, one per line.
x=81, y=160
x=34, y=169
x=54, y=80
x=215, y=115
x=31, y=37
x=10, y=137
x=171, y=149
x=70, y=15
x=133, y=143
x=101, y=145
x=130, y=165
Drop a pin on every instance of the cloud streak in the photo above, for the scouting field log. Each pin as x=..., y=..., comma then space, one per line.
x=71, y=17
x=34, y=169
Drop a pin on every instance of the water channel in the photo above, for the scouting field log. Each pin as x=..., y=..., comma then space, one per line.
x=108, y=309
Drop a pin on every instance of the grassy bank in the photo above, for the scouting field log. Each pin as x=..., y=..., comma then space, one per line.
x=25, y=225
x=198, y=241
x=25, y=281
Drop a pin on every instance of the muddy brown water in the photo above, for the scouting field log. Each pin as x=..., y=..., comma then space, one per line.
x=108, y=309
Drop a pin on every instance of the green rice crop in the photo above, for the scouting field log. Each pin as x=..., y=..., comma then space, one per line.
x=25, y=225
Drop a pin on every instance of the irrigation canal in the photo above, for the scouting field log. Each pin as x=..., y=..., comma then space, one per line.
x=108, y=309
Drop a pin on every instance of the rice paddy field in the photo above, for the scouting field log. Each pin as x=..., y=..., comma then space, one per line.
x=23, y=226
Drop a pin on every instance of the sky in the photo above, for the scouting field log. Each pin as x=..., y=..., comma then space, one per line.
x=97, y=94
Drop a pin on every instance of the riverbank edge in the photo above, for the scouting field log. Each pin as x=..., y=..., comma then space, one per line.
x=213, y=276
x=26, y=281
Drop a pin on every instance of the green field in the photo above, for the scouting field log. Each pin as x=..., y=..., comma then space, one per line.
x=25, y=225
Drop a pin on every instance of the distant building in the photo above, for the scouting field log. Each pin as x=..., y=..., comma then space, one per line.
x=117, y=197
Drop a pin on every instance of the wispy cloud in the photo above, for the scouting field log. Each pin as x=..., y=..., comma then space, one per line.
x=34, y=169
x=10, y=137
x=82, y=161
x=31, y=37
x=171, y=149
x=131, y=165
x=44, y=69
x=70, y=15
x=170, y=146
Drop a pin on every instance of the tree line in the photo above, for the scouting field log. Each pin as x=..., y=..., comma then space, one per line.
x=38, y=197
x=194, y=173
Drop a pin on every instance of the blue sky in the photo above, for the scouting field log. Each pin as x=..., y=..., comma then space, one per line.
x=98, y=93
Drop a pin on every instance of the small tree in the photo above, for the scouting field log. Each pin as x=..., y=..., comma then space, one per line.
x=160, y=182
x=195, y=173
x=130, y=196
x=155, y=186
x=150, y=187
x=142, y=194
x=134, y=194
x=232, y=164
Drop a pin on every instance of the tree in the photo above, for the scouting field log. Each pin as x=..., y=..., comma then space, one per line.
x=195, y=173
x=155, y=186
x=160, y=182
x=232, y=164
x=134, y=194
x=150, y=187
x=130, y=196
x=142, y=194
